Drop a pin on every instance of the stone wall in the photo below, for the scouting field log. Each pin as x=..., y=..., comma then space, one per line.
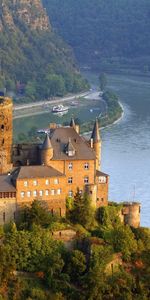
x=8, y=209
x=5, y=134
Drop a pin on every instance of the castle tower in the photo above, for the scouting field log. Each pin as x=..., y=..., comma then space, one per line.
x=74, y=125
x=46, y=151
x=6, y=107
x=96, y=144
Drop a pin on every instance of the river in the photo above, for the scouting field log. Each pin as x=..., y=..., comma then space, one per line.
x=126, y=145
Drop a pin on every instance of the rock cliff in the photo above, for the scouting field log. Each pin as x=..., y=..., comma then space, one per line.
x=31, y=12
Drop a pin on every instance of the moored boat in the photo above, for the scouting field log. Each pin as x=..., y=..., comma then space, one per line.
x=59, y=108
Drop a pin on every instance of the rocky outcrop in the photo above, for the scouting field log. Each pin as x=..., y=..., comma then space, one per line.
x=31, y=12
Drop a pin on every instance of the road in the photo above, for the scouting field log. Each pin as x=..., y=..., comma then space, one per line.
x=44, y=102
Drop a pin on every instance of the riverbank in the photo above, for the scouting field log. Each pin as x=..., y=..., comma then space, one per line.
x=30, y=109
x=90, y=106
x=115, y=112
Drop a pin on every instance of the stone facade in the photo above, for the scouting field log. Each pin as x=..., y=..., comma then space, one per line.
x=130, y=214
x=5, y=135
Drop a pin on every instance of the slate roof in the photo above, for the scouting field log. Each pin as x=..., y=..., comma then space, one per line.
x=72, y=122
x=47, y=143
x=95, y=133
x=59, y=140
x=99, y=173
x=6, y=184
x=35, y=172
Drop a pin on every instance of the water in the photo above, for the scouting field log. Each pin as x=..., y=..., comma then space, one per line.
x=126, y=145
x=84, y=111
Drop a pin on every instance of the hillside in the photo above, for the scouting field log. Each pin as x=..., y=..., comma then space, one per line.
x=31, y=55
x=112, y=32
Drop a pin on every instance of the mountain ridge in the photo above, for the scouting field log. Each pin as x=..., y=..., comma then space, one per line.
x=103, y=32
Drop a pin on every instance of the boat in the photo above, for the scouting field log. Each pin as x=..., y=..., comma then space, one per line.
x=59, y=108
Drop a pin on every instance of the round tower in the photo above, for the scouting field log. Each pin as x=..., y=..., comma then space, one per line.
x=46, y=151
x=131, y=213
x=96, y=144
x=6, y=115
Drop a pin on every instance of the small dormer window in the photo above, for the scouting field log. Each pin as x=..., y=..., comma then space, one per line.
x=71, y=153
x=70, y=150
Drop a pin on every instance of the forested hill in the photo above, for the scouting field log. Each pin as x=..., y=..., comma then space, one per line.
x=32, y=57
x=111, y=31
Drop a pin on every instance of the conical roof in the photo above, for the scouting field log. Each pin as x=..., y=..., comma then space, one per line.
x=95, y=133
x=47, y=143
x=72, y=122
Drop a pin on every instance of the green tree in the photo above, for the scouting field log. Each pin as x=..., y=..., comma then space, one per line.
x=123, y=240
x=30, y=89
x=83, y=212
x=76, y=265
x=36, y=214
x=102, y=81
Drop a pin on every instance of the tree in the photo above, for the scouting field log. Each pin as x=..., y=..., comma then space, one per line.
x=123, y=240
x=83, y=212
x=76, y=265
x=36, y=214
x=102, y=81
x=30, y=89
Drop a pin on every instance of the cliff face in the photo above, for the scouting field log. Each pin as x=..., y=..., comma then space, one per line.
x=31, y=12
x=31, y=54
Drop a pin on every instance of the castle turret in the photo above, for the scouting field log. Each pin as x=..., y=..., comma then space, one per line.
x=95, y=142
x=46, y=151
x=6, y=106
x=74, y=125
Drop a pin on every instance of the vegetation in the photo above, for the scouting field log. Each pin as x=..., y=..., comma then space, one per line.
x=104, y=33
x=111, y=262
x=102, y=81
x=34, y=62
x=113, y=112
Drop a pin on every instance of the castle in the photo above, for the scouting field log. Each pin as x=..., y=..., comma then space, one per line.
x=53, y=170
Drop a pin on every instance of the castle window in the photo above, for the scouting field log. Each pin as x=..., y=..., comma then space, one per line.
x=52, y=192
x=35, y=182
x=34, y=193
x=70, y=166
x=28, y=194
x=40, y=193
x=22, y=194
x=56, y=181
x=86, y=179
x=102, y=179
x=58, y=191
x=70, y=180
x=46, y=192
x=86, y=166
x=70, y=193
x=47, y=182
x=25, y=183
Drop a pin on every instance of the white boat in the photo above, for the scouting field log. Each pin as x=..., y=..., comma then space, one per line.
x=59, y=108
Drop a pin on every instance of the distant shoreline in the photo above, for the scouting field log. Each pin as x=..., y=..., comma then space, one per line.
x=109, y=125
